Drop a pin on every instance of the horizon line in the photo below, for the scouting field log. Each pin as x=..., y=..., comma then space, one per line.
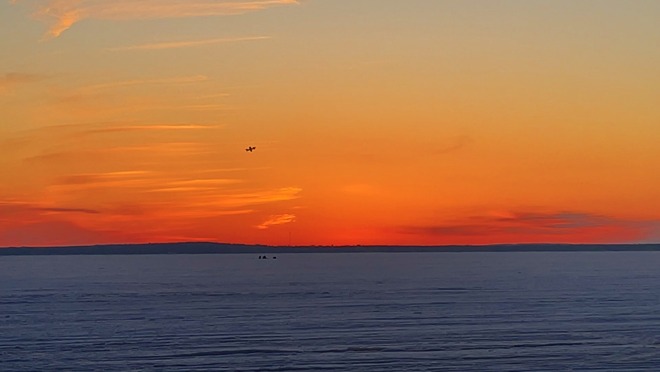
x=466, y=245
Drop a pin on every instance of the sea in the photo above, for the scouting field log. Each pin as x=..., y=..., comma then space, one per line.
x=477, y=311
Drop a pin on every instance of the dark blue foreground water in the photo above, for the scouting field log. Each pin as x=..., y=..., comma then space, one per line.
x=336, y=312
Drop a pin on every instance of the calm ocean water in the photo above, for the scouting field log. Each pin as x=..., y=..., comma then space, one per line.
x=336, y=312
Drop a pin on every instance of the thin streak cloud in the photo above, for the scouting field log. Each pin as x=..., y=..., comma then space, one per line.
x=187, y=44
x=100, y=178
x=277, y=220
x=171, y=80
x=177, y=149
x=234, y=200
x=70, y=210
x=550, y=226
x=13, y=79
x=63, y=14
x=15, y=207
x=131, y=128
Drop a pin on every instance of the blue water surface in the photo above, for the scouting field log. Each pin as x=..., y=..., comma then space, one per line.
x=541, y=311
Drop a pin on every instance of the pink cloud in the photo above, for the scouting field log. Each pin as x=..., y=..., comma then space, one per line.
x=280, y=219
x=63, y=14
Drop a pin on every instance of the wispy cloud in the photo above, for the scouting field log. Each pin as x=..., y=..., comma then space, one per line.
x=168, y=80
x=187, y=44
x=245, y=199
x=455, y=144
x=12, y=79
x=70, y=210
x=156, y=150
x=102, y=178
x=196, y=185
x=75, y=130
x=280, y=219
x=62, y=14
x=18, y=207
x=193, y=107
x=156, y=127
x=519, y=226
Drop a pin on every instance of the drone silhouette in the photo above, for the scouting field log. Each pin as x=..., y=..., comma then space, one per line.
x=250, y=149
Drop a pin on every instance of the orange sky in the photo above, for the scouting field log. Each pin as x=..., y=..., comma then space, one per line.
x=375, y=121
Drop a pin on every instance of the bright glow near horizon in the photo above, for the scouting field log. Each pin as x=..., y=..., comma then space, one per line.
x=374, y=121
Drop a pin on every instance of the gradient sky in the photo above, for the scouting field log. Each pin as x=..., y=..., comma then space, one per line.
x=375, y=121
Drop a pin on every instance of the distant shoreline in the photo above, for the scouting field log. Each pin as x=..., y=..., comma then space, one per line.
x=221, y=248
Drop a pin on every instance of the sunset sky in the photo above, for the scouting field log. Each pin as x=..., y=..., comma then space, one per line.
x=417, y=122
